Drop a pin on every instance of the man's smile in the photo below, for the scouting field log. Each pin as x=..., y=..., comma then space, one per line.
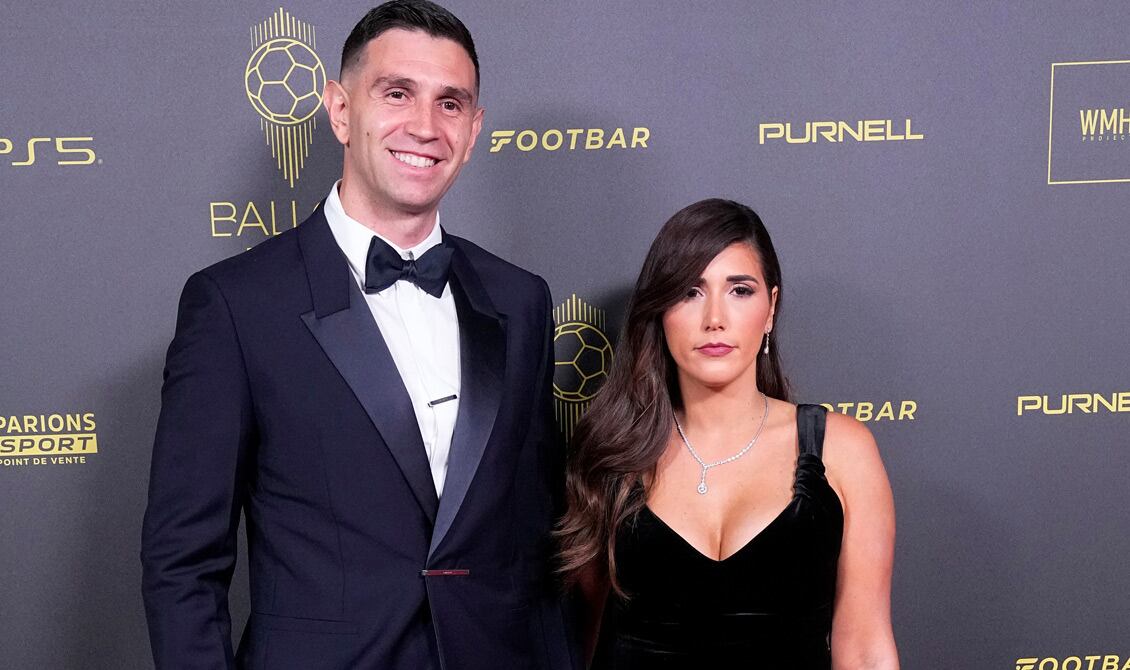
x=415, y=160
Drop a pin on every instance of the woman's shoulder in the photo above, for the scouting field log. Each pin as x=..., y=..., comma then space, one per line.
x=851, y=455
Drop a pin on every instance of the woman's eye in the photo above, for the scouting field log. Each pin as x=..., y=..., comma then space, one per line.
x=743, y=290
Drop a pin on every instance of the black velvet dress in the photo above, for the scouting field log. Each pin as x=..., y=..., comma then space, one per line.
x=766, y=607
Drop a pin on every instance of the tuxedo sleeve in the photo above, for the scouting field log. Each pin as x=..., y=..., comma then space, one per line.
x=556, y=612
x=200, y=460
x=553, y=447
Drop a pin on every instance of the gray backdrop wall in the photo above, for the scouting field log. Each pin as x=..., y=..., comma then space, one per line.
x=953, y=234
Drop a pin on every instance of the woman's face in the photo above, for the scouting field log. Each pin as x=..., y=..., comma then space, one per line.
x=717, y=330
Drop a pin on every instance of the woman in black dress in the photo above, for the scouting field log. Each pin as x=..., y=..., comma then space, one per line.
x=711, y=523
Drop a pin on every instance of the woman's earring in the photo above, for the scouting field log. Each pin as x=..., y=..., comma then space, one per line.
x=766, y=349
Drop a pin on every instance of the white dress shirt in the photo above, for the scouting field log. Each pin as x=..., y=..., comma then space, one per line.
x=421, y=331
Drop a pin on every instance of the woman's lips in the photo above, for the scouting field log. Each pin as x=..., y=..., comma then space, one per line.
x=716, y=349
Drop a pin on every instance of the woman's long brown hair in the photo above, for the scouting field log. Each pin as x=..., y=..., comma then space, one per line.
x=618, y=442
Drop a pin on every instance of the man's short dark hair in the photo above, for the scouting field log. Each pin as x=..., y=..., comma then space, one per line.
x=421, y=15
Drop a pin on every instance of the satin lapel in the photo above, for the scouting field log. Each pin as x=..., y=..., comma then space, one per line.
x=482, y=347
x=344, y=327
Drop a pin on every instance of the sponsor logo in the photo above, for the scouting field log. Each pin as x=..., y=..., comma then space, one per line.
x=47, y=439
x=570, y=139
x=54, y=150
x=284, y=79
x=888, y=410
x=230, y=219
x=870, y=130
x=582, y=358
x=1098, y=125
x=1071, y=403
x=1093, y=662
x=1089, y=122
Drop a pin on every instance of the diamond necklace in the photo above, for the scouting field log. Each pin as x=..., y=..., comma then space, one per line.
x=706, y=466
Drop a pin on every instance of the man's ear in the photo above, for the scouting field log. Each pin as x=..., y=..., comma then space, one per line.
x=336, y=100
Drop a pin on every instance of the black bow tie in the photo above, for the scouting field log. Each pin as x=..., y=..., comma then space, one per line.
x=384, y=267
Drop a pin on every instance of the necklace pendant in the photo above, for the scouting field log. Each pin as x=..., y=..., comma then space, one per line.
x=702, y=488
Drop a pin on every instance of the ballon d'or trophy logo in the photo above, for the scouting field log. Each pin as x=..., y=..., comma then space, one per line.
x=284, y=79
x=582, y=358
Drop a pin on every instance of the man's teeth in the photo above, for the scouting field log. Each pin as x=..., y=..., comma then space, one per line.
x=414, y=160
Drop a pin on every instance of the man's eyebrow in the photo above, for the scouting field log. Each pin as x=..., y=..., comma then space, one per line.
x=396, y=81
x=461, y=94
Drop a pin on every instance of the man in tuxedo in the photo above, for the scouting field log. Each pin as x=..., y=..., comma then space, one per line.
x=374, y=394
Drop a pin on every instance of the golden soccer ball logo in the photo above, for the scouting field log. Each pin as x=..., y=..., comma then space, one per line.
x=582, y=356
x=284, y=80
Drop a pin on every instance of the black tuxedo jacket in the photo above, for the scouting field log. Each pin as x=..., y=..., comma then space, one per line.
x=281, y=399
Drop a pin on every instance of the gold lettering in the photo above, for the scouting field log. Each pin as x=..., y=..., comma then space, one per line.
x=1069, y=659
x=617, y=139
x=1081, y=400
x=1062, y=408
x=873, y=130
x=1044, y=664
x=793, y=140
x=856, y=133
x=1108, y=119
x=887, y=411
x=863, y=411
x=499, y=139
x=1088, y=119
x=778, y=131
x=1100, y=399
x=1026, y=402
x=907, y=410
x=89, y=153
x=1110, y=662
x=910, y=135
x=257, y=223
x=293, y=216
x=527, y=146
x=88, y=420
x=212, y=215
x=573, y=133
x=552, y=133
x=891, y=135
x=640, y=136
x=55, y=423
x=1124, y=406
x=594, y=139
x=31, y=150
x=7, y=144
x=829, y=132
x=844, y=407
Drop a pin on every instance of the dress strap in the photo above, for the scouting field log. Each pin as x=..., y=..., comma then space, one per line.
x=810, y=428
